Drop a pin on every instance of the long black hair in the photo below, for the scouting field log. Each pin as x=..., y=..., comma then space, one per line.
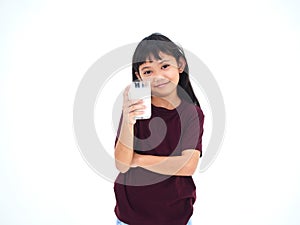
x=153, y=45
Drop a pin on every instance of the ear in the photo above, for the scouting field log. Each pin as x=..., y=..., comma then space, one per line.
x=181, y=64
x=138, y=76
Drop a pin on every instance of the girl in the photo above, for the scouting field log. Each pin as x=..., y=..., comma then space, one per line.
x=156, y=157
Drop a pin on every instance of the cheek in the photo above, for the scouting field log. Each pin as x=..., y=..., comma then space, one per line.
x=174, y=76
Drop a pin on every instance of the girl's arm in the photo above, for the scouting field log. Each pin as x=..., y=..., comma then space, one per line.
x=124, y=148
x=184, y=165
x=124, y=145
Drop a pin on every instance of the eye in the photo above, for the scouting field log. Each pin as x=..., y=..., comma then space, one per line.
x=147, y=72
x=165, y=66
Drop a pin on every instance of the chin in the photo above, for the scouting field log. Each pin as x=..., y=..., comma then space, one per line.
x=161, y=93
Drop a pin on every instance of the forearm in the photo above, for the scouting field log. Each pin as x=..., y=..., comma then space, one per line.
x=183, y=165
x=124, y=148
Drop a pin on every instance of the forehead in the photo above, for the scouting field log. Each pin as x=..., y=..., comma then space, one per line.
x=163, y=57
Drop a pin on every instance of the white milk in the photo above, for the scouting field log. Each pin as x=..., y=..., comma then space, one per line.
x=142, y=90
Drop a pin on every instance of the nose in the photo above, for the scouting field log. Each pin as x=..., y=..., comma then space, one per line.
x=158, y=75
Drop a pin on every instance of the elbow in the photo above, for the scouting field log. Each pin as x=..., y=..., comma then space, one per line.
x=186, y=171
x=190, y=171
x=191, y=158
x=191, y=168
x=122, y=168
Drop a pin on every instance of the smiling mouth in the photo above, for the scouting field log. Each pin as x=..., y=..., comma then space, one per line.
x=162, y=84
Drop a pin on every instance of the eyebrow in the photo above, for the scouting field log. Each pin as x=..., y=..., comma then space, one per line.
x=164, y=60
x=161, y=62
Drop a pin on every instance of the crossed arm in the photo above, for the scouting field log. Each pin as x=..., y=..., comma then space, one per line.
x=125, y=158
x=183, y=165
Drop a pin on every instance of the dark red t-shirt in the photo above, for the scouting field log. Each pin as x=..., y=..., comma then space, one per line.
x=144, y=197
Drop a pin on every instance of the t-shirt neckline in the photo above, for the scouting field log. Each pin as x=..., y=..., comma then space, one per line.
x=162, y=109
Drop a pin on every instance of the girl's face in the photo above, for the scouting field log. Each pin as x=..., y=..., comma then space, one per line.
x=163, y=74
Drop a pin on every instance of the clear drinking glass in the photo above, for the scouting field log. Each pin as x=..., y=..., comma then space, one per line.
x=141, y=90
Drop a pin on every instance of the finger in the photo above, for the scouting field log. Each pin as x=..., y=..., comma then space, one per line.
x=126, y=91
x=133, y=115
x=127, y=104
x=135, y=102
x=125, y=97
x=136, y=107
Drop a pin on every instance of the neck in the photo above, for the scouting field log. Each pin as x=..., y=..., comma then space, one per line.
x=166, y=102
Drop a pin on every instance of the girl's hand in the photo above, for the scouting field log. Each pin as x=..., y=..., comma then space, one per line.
x=131, y=108
x=135, y=160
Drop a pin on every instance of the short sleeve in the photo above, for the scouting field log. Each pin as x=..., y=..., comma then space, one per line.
x=192, y=131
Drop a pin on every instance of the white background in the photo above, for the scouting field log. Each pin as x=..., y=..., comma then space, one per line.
x=251, y=47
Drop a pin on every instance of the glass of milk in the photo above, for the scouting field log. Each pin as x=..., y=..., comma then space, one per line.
x=141, y=90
